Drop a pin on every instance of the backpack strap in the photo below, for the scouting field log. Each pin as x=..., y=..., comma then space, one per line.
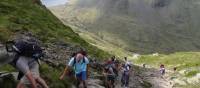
x=84, y=59
x=75, y=61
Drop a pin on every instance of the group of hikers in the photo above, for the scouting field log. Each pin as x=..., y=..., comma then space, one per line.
x=24, y=55
x=110, y=69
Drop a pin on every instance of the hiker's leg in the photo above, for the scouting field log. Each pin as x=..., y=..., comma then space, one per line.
x=22, y=65
x=126, y=80
x=109, y=84
x=20, y=85
x=111, y=81
x=108, y=81
x=42, y=82
x=122, y=79
x=34, y=67
x=78, y=80
x=31, y=79
x=112, y=84
x=84, y=84
x=84, y=78
x=77, y=83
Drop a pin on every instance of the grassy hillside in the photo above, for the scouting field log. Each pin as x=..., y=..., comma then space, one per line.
x=19, y=16
x=97, y=41
x=24, y=15
x=180, y=60
x=187, y=63
x=140, y=26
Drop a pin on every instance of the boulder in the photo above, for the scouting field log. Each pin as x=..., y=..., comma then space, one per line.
x=7, y=80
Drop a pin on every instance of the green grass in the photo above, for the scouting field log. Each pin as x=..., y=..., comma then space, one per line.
x=123, y=26
x=192, y=73
x=188, y=61
x=26, y=16
x=51, y=75
x=7, y=68
x=180, y=60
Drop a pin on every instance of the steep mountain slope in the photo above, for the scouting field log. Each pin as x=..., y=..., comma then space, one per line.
x=141, y=26
x=25, y=16
x=29, y=17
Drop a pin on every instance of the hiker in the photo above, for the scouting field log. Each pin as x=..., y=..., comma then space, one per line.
x=175, y=68
x=144, y=65
x=110, y=73
x=79, y=64
x=117, y=68
x=23, y=55
x=125, y=73
x=162, y=69
x=94, y=63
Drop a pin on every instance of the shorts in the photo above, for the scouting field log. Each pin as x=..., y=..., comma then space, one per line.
x=111, y=78
x=25, y=64
x=82, y=75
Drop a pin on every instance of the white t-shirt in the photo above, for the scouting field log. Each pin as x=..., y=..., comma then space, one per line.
x=162, y=70
x=126, y=67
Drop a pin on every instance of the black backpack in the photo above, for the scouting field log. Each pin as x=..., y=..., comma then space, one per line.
x=107, y=67
x=28, y=49
x=23, y=48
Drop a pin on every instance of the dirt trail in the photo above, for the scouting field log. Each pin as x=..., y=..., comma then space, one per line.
x=155, y=78
x=134, y=81
x=146, y=78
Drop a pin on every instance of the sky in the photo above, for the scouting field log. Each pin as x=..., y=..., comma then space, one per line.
x=49, y=3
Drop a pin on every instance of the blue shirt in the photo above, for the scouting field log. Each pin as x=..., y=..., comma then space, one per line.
x=79, y=66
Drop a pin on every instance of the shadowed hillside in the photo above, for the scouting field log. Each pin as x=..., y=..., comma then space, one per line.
x=141, y=26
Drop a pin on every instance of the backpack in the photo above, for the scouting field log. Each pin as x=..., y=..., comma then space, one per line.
x=113, y=68
x=28, y=49
x=75, y=61
x=126, y=67
x=107, y=68
x=129, y=66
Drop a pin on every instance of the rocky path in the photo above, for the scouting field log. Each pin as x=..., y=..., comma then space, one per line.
x=146, y=78
x=135, y=82
x=154, y=77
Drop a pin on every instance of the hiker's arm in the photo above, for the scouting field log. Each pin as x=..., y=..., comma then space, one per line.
x=31, y=79
x=64, y=73
x=104, y=72
x=66, y=68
